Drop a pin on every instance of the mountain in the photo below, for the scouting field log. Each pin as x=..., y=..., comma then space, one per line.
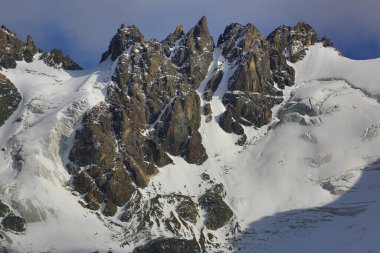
x=250, y=143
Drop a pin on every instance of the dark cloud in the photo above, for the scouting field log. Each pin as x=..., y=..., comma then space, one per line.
x=83, y=28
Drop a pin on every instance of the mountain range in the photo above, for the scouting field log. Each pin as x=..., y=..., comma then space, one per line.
x=250, y=143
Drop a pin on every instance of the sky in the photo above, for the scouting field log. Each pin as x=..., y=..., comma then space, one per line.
x=84, y=28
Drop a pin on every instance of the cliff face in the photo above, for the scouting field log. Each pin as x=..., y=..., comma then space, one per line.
x=9, y=99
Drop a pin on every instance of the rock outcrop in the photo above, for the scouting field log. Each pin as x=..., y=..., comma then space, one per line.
x=192, y=53
x=218, y=212
x=9, y=99
x=152, y=109
x=251, y=93
x=10, y=221
x=55, y=58
x=169, y=245
x=124, y=38
x=292, y=42
x=13, y=223
x=12, y=49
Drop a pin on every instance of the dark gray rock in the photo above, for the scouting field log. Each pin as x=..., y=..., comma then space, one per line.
x=9, y=99
x=251, y=93
x=124, y=38
x=105, y=177
x=170, y=42
x=169, y=245
x=4, y=209
x=179, y=134
x=194, y=53
x=292, y=42
x=152, y=109
x=218, y=212
x=228, y=123
x=326, y=42
x=187, y=210
x=283, y=74
x=207, y=110
x=250, y=109
x=14, y=223
x=11, y=48
x=55, y=58
x=212, y=85
x=30, y=49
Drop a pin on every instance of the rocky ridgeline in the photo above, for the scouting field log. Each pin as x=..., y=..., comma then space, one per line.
x=152, y=109
x=293, y=41
x=12, y=49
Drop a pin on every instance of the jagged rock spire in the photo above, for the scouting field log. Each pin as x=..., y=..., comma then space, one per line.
x=11, y=48
x=125, y=37
x=30, y=49
x=194, y=52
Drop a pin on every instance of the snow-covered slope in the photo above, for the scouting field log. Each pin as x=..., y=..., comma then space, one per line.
x=310, y=174
x=323, y=174
x=325, y=63
x=33, y=176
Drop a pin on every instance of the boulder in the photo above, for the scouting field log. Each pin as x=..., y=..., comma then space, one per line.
x=13, y=223
x=218, y=212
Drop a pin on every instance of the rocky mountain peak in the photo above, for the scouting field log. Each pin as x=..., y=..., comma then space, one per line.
x=230, y=32
x=6, y=30
x=237, y=38
x=201, y=29
x=193, y=53
x=125, y=37
x=30, y=49
x=30, y=44
x=179, y=29
x=56, y=58
x=12, y=49
x=169, y=42
x=304, y=28
x=293, y=41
